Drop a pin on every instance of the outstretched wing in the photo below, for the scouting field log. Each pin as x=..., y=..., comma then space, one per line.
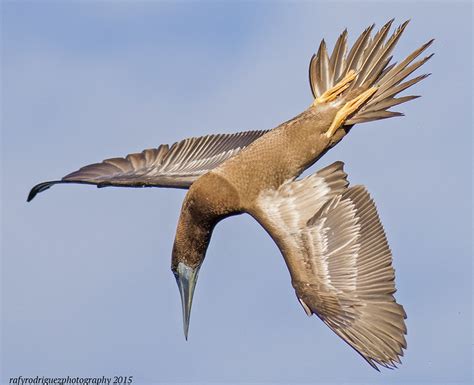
x=339, y=260
x=178, y=166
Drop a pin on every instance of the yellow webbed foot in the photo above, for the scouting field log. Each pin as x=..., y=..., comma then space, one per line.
x=335, y=91
x=349, y=108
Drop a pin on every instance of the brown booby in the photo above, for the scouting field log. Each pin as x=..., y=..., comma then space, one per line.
x=329, y=233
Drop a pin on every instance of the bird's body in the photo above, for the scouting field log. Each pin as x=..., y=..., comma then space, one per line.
x=328, y=233
x=234, y=186
x=261, y=165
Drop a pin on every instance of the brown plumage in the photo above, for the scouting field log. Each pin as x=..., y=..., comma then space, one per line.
x=329, y=234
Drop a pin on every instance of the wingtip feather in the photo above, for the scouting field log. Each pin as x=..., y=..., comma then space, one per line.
x=40, y=187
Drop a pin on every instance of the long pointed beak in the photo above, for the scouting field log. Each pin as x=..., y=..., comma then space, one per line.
x=186, y=278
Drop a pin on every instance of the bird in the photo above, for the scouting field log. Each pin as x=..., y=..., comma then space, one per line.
x=328, y=232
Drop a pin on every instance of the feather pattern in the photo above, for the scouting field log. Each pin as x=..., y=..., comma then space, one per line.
x=176, y=166
x=339, y=260
x=371, y=54
x=338, y=56
x=370, y=58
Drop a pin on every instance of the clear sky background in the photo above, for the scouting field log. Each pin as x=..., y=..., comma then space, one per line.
x=86, y=283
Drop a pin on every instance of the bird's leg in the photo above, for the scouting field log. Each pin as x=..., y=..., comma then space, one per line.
x=349, y=108
x=335, y=91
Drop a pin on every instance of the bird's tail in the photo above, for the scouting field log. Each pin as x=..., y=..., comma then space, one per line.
x=367, y=65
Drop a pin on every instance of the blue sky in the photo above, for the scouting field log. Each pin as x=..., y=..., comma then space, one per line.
x=86, y=282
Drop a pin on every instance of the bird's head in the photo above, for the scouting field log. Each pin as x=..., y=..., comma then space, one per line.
x=188, y=254
x=200, y=213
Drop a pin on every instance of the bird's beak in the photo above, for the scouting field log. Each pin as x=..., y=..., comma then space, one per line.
x=186, y=279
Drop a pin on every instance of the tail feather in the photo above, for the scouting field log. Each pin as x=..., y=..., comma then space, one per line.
x=320, y=71
x=373, y=55
x=358, y=49
x=398, y=88
x=401, y=73
x=382, y=57
x=324, y=68
x=370, y=57
x=374, y=115
x=338, y=57
x=388, y=103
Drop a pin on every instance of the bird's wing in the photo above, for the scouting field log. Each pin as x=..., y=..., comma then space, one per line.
x=339, y=260
x=176, y=166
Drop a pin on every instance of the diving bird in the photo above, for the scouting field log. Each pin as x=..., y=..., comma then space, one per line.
x=329, y=234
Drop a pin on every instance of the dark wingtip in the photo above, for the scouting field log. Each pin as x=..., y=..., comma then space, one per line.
x=40, y=188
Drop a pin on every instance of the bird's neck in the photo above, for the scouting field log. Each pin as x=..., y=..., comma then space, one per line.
x=210, y=199
x=192, y=239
